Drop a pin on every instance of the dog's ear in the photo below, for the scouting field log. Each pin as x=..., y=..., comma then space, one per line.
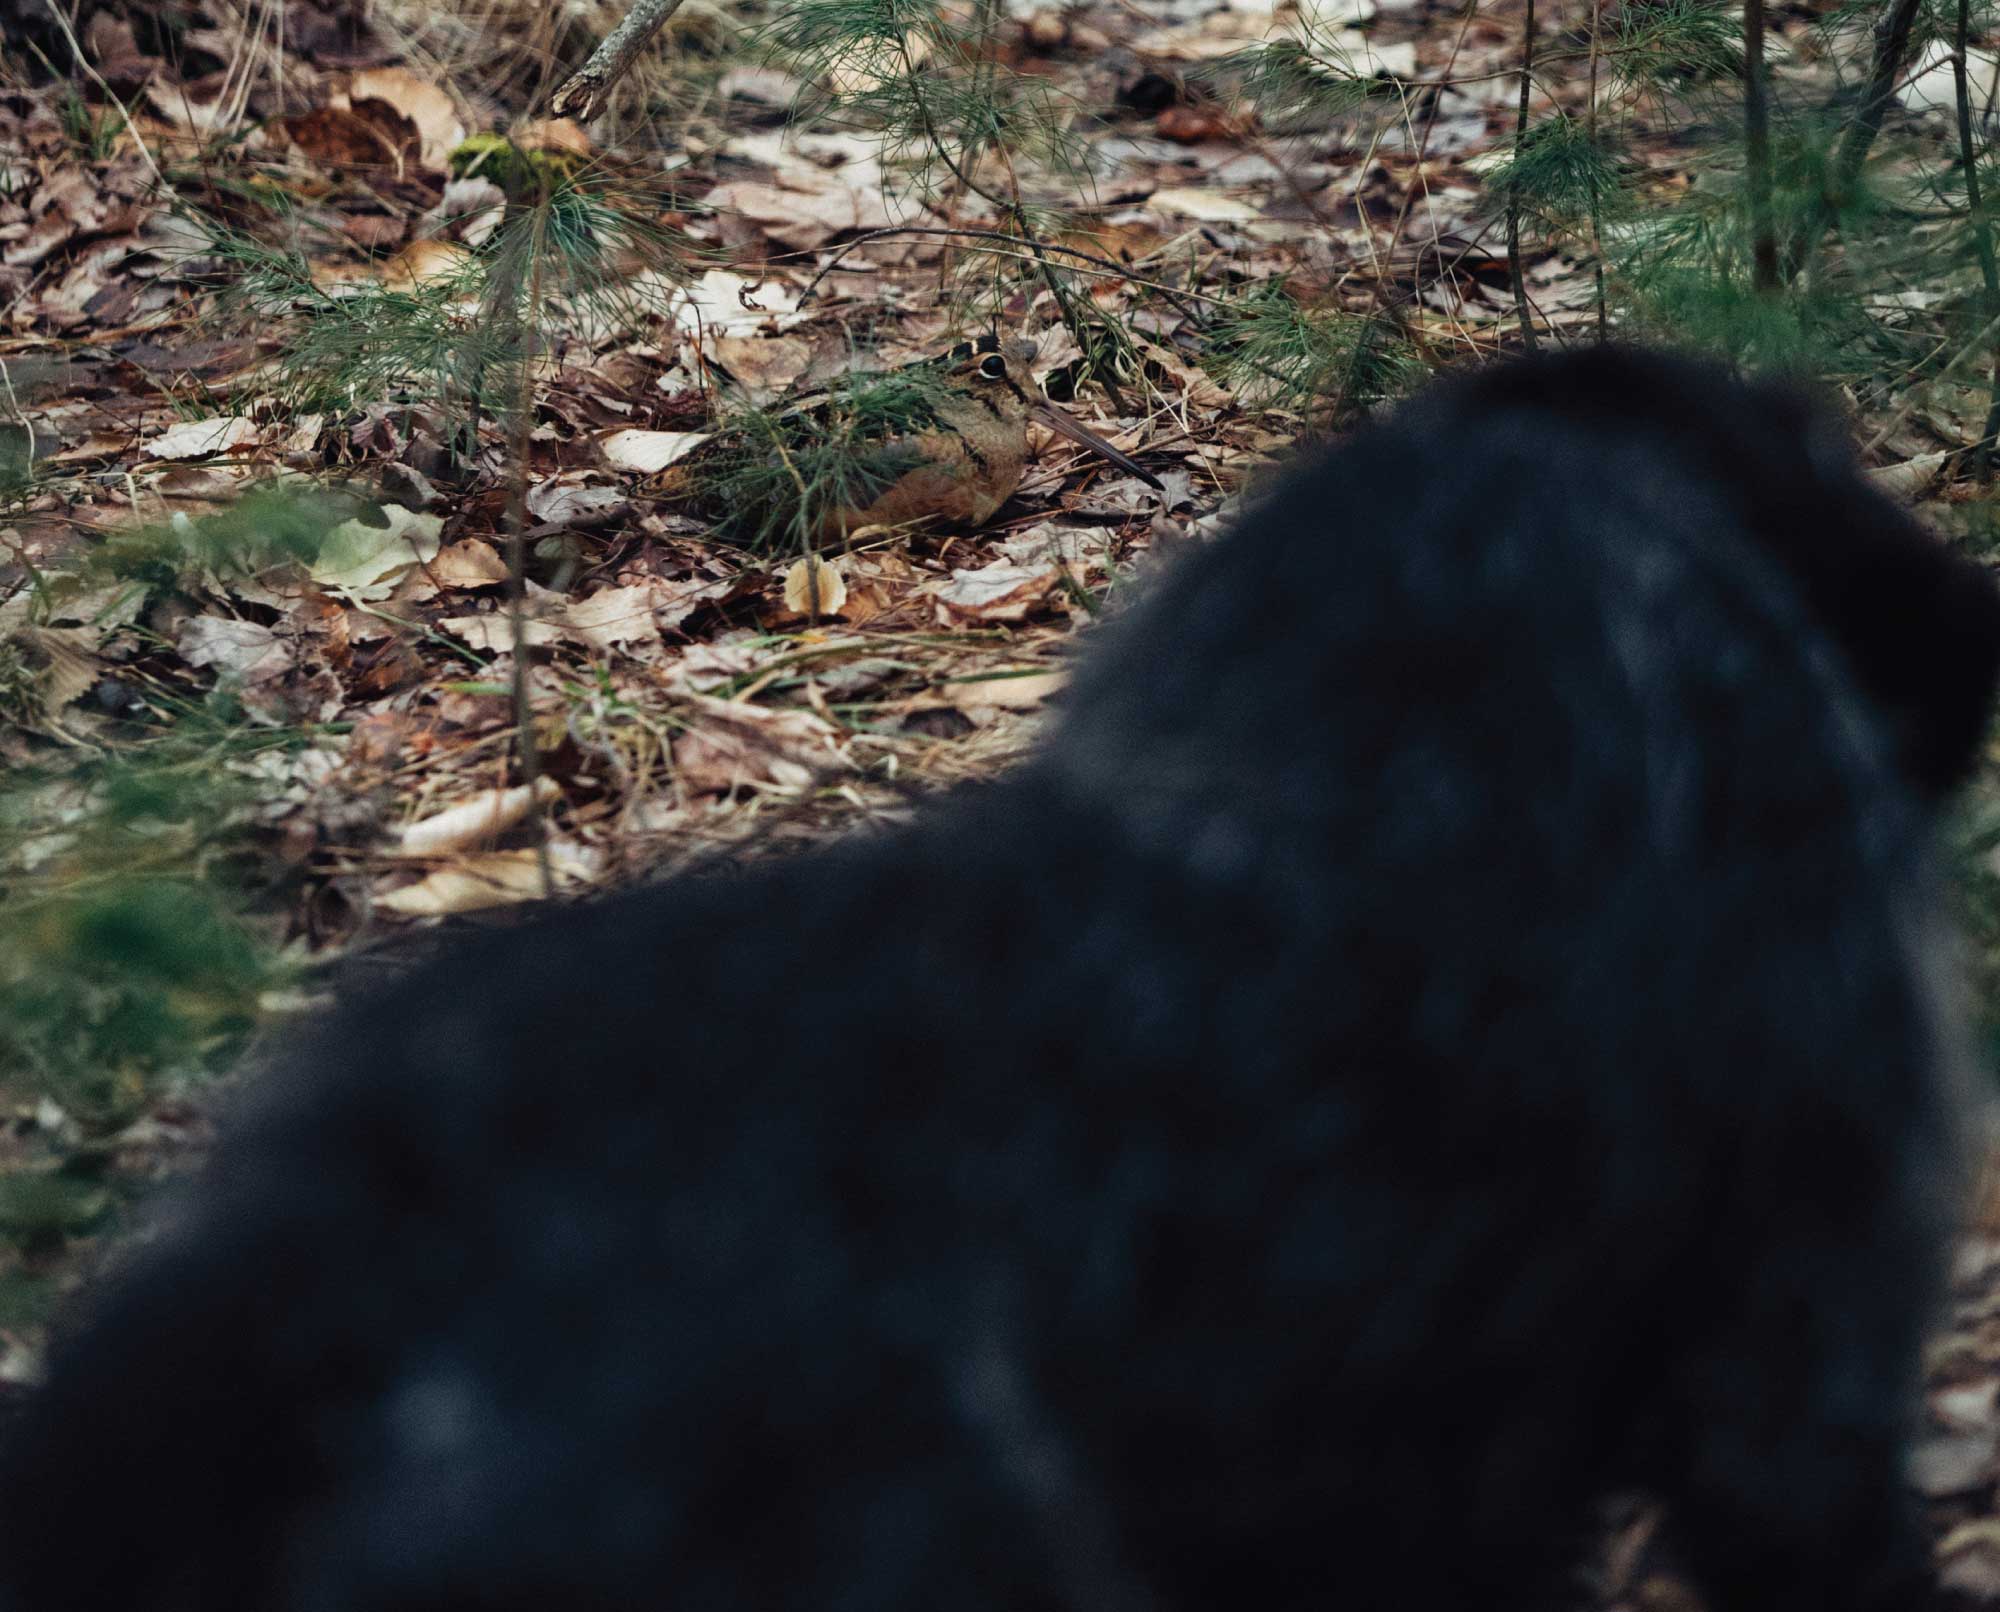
x=1917, y=621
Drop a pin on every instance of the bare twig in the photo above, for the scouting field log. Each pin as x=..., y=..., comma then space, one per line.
x=1514, y=274
x=1892, y=43
x=1982, y=237
x=1757, y=152
x=97, y=78
x=523, y=321
x=581, y=95
x=1596, y=200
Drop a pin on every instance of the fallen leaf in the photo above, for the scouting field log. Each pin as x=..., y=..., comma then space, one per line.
x=425, y=260
x=493, y=632
x=728, y=745
x=484, y=817
x=807, y=212
x=644, y=452
x=1912, y=476
x=763, y=366
x=366, y=562
x=721, y=303
x=468, y=563
x=1006, y=692
x=198, y=439
x=998, y=592
x=815, y=587
x=71, y=665
x=489, y=879
x=245, y=651
x=429, y=109
x=614, y=617
x=562, y=500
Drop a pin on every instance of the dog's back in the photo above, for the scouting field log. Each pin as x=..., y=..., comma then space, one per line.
x=1449, y=1021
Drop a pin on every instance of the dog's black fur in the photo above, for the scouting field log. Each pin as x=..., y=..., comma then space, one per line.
x=1450, y=1021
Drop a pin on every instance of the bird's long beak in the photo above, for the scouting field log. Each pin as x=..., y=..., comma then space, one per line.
x=1064, y=426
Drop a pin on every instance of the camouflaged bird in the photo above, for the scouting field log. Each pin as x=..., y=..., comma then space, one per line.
x=943, y=439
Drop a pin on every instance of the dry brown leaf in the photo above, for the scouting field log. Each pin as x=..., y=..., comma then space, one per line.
x=244, y=651
x=489, y=879
x=484, y=817
x=1006, y=692
x=1205, y=206
x=815, y=587
x=614, y=617
x=999, y=592
x=468, y=563
x=71, y=668
x=340, y=136
x=805, y=210
x=763, y=366
x=429, y=110
x=492, y=633
x=425, y=260
x=198, y=439
x=1909, y=478
x=646, y=452
x=729, y=746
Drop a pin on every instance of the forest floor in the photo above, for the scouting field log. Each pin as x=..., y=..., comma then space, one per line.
x=255, y=628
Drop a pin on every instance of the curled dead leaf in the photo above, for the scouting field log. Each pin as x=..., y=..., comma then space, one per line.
x=815, y=587
x=999, y=592
x=197, y=439
x=489, y=879
x=729, y=746
x=428, y=108
x=647, y=452
x=425, y=260
x=367, y=561
x=486, y=816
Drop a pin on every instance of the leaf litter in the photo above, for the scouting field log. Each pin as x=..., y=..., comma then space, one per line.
x=683, y=696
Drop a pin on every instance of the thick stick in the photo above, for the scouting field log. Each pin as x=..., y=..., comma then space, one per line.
x=581, y=95
x=1892, y=43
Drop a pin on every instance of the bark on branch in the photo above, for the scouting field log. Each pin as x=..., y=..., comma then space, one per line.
x=1892, y=43
x=581, y=95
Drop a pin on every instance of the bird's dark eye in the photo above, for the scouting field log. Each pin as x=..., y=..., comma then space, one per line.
x=993, y=367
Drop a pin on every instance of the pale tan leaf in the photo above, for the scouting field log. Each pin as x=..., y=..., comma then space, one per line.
x=645, y=452
x=1207, y=206
x=614, y=617
x=728, y=746
x=438, y=126
x=468, y=563
x=489, y=879
x=366, y=561
x=815, y=587
x=484, y=817
x=1008, y=693
x=197, y=439
x=999, y=592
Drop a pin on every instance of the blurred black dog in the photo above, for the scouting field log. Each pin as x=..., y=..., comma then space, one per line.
x=1453, y=1019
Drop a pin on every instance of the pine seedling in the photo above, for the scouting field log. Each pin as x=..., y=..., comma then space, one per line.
x=458, y=338
x=773, y=478
x=1277, y=353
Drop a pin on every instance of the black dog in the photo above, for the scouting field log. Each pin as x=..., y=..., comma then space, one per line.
x=1451, y=1021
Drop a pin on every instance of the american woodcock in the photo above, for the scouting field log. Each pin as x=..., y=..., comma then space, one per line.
x=944, y=439
x=968, y=463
